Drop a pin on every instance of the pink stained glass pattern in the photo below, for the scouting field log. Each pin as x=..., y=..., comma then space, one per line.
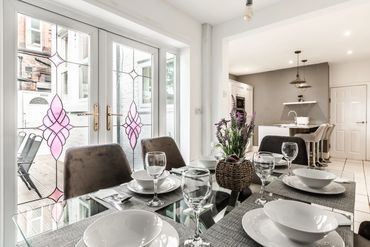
x=56, y=194
x=133, y=125
x=56, y=127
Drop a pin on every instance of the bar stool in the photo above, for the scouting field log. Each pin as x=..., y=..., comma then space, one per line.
x=313, y=138
x=326, y=138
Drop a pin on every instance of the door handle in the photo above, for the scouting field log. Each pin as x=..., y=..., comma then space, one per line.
x=109, y=117
x=362, y=122
x=95, y=114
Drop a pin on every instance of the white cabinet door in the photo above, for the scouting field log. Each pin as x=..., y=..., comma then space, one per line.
x=348, y=113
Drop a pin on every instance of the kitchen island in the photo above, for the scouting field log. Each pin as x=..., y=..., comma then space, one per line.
x=284, y=130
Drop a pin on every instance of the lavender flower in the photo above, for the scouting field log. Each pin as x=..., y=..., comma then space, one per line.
x=233, y=134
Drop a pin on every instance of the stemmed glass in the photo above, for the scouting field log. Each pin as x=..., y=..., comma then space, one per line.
x=264, y=163
x=196, y=188
x=155, y=163
x=290, y=152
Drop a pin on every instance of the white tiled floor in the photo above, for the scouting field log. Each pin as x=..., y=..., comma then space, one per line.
x=361, y=170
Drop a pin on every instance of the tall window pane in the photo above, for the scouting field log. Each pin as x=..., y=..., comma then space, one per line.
x=171, y=94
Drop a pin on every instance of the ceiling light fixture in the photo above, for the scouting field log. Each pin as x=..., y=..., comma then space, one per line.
x=349, y=52
x=298, y=79
x=290, y=62
x=347, y=33
x=305, y=84
x=248, y=12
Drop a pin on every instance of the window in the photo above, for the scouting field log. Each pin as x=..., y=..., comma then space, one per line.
x=34, y=34
x=171, y=94
x=84, y=82
x=146, y=90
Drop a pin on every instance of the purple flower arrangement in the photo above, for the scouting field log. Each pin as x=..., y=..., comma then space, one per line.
x=233, y=135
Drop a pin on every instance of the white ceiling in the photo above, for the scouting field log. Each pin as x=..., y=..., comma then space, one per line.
x=320, y=38
x=217, y=11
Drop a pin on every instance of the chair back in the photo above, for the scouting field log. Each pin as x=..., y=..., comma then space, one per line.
x=273, y=144
x=28, y=159
x=320, y=132
x=329, y=131
x=26, y=147
x=167, y=145
x=21, y=136
x=91, y=168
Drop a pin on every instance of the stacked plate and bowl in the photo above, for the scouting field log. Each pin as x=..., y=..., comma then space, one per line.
x=314, y=181
x=291, y=223
x=142, y=183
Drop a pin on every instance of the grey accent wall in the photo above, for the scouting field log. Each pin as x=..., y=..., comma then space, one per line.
x=272, y=88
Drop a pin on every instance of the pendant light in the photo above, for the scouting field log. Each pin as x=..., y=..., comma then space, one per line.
x=248, y=12
x=298, y=79
x=305, y=84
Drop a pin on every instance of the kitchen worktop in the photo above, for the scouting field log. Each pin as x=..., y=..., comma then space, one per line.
x=284, y=130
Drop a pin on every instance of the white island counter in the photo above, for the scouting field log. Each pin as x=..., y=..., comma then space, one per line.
x=284, y=130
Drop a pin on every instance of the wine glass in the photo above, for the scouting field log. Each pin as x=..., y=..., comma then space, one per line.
x=196, y=188
x=264, y=163
x=290, y=152
x=155, y=163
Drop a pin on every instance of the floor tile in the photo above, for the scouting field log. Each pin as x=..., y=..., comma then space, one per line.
x=356, y=226
x=361, y=216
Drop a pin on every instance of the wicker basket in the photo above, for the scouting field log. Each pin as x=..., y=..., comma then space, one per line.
x=234, y=176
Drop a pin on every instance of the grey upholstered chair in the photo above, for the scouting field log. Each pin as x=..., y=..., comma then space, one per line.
x=90, y=168
x=273, y=144
x=165, y=144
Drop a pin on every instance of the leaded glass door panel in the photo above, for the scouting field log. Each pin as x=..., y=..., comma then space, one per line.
x=57, y=90
x=132, y=110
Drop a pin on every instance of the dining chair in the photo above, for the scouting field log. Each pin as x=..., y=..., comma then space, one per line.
x=314, y=139
x=273, y=144
x=26, y=160
x=362, y=239
x=91, y=168
x=167, y=145
x=21, y=136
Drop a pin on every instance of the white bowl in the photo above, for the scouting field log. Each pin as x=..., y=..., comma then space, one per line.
x=124, y=228
x=277, y=157
x=146, y=181
x=314, y=178
x=299, y=221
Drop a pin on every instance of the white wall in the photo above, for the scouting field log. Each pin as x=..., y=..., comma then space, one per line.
x=280, y=13
x=351, y=74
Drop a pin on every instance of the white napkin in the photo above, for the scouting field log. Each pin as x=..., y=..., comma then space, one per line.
x=104, y=193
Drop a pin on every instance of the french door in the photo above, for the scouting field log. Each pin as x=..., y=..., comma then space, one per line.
x=131, y=94
x=78, y=85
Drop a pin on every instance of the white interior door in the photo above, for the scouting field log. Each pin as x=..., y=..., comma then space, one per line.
x=348, y=113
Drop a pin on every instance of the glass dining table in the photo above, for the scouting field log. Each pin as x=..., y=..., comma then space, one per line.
x=63, y=223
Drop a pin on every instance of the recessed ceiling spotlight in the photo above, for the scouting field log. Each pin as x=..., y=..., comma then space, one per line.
x=349, y=52
x=290, y=61
x=347, y=33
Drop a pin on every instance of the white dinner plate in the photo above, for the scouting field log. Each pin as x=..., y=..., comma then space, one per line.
x=172, y=183
x=331, y=189
x=167, y=238
x=262, y=230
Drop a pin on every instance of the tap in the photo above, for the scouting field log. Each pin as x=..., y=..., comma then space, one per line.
x=295, y=118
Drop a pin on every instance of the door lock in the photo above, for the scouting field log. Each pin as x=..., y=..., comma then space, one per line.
x=95, y=114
